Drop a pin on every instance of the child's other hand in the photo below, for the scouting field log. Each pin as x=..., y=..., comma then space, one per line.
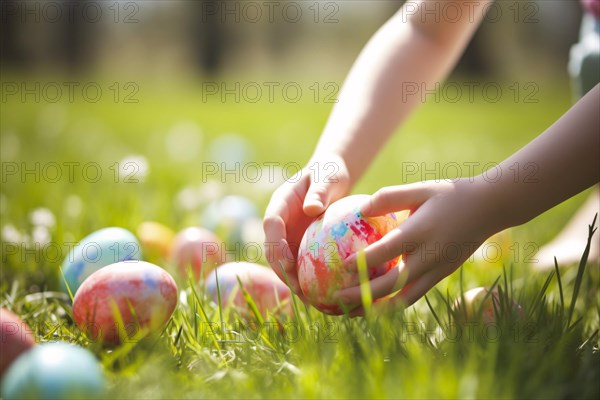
x=294, y=205
x=448, y=222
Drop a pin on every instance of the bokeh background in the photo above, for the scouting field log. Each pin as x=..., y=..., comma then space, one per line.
x=131, y=102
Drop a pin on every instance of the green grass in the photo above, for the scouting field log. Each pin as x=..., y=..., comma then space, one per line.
x=551, y=351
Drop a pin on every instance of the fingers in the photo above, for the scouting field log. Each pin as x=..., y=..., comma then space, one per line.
x=276, y=246
x=274, y=228
x=317, y=199
x=381, y=286
x=407, y=296
x=285, y=268
x=275, y=238
x=417, y=289
x=395, y=198
x=329, y=180
x=392, y=245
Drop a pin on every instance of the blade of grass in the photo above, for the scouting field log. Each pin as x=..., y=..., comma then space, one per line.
x=255, y=312
x=294, y=301
x=463, y=301
x=541, y=294
x=220, y=303
x=504, y=292
x=365, y=288
x=560, y=289
x=581, y=269
x=433, y=312
x=214, y=335
x=66, y=284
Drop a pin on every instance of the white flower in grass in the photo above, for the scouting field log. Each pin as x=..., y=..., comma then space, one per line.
x=188, y=199
x=11, y=234
x=42, y=217
x=211, y=190
x=41, y=235
x=133, y=169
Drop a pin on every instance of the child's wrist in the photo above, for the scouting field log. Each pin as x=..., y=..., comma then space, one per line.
x=330, y=163
x=487, y=204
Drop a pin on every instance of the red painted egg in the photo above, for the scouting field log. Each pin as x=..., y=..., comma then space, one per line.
x=17, y=337
x=196, y=248
x=262, y=284
x=144, y=295
x=340, y=232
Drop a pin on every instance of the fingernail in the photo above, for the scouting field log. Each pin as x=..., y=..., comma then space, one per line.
x=314, y=200
x=365, y=208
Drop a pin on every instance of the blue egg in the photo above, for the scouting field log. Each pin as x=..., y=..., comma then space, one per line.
x=230, y=151
x=101, y=248
x=227, y=216
x=54, y=371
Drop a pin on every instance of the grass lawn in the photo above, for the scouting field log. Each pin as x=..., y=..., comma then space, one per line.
x=548, y=351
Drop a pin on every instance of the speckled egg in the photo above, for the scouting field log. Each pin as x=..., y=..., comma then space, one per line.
x=197, y=248
x=477, y=305
x=228, y=216
x=101, y=248
x=17, y=337
x=144, y=295
x=262, y=284
x=340, y=232
x=54, y=371
x=156, y=240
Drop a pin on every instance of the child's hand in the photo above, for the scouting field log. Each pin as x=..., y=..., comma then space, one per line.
x=448, y=222
x=294, y=205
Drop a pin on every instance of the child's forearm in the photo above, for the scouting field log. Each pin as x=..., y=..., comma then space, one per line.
x=558, y=164
x=413, y=47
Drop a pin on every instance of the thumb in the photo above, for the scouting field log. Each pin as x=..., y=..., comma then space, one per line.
x=317, y=199
x=395, y=198
x=329, y=180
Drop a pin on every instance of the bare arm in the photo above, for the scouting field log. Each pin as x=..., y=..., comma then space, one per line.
x=419, y=46
x=563, y=161
x=455, y=218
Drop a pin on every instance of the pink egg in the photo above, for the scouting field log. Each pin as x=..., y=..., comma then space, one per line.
x=144, y=295
x=17, y=337
x=197, y=248
x=340, y=232
x=262, y=284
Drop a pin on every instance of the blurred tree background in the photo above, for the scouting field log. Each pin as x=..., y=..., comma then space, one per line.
x=166, y=39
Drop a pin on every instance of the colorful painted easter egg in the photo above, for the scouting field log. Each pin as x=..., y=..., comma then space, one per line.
x=156, y=240
x=262, y=284
x=54, y=371
x=481, y=304
x=197, y=248
x=228, y=216
x=144, y=295
x=101, y=248
x=340, y=232
x=17, y=337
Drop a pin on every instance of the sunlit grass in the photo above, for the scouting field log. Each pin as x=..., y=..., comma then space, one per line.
x=210, y=351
